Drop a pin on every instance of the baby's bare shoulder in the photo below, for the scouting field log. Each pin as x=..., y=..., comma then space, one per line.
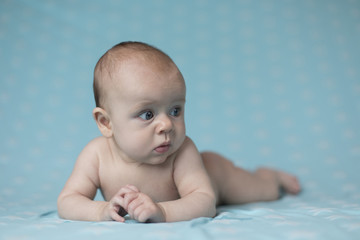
x=98, y=145
x=187, y=152
x=94, y=150
x=188, y=145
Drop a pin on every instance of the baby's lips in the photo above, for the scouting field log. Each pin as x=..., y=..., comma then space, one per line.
x=162, y=148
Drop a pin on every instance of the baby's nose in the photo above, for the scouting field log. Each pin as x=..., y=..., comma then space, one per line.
x=165, y=124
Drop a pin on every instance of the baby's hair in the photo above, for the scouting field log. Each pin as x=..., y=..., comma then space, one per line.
x=118, y=54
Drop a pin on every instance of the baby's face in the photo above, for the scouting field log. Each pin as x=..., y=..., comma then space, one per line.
x=146, y=109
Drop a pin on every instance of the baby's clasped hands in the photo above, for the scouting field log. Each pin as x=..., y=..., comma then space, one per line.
x=138, y=205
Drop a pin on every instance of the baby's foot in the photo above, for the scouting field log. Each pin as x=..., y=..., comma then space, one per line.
x=279, y=180
x=288, y=182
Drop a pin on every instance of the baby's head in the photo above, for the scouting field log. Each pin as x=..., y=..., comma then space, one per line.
x=112, y=67
x=140, y=100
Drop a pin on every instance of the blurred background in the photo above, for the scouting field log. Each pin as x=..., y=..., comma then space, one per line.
x=274, y=83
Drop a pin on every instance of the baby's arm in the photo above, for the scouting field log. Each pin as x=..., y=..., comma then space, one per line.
x=76, y=199
x=197, y=197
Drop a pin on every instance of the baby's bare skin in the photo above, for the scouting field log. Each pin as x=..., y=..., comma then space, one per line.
x=265, y=184
x=144, y=164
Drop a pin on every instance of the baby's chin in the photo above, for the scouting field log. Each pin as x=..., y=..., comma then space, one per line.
x=160, y=158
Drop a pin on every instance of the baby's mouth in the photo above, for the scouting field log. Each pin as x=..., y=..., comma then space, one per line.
x=163, y=148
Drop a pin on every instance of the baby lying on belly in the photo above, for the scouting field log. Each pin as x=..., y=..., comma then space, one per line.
x=144, y=164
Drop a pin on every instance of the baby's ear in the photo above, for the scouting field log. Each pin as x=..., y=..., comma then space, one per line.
x=103, y=122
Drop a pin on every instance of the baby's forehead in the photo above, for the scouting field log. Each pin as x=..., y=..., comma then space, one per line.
x=122, y=68
x=140, y=60
x=149, y=58
x=125, y=66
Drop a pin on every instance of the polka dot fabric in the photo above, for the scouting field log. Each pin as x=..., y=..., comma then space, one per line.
x=272, y=83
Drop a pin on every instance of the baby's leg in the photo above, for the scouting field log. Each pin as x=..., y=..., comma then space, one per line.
x=234, y=185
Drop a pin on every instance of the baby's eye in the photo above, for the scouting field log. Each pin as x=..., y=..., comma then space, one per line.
x=147, y=115
x=175, y=111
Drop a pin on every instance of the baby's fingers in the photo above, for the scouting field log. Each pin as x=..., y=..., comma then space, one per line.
x=117, y=205
x=112, y=211
x=146, y=213
x=132, y=187
x=134, y=207
x=127, y=189
x=116, y=217
x=128, y=199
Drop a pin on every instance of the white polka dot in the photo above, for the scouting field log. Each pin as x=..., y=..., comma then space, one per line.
x=235, y=146
x=19, y=180
x=256, y=99
x=341, y=117
x=265, y=151
x=324, y=145
x=307, y=94
x=231, y=111
x=258, y=116
x=261, y=134
x=283, y=106
x=331, y=160
x=279, y=88
x=4, y=159
x=349, y=187
x=355, y=151
x=311, y=111
x=12, y=142
x=19, y=125
x=291, y=140
x=233, y=129
x=297, y=156
x=349, y=133
x=36, y=151
x=318, y=128
x=4, y=98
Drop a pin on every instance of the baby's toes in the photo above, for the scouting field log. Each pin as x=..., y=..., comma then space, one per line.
x=289, y=183
x=293, y=186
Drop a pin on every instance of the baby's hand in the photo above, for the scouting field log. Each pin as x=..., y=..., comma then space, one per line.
x=142, y=208
x=115, y=209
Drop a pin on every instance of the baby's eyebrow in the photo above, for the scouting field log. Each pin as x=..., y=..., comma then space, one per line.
x=143, y=104
x=146, y=103
x=181, y=99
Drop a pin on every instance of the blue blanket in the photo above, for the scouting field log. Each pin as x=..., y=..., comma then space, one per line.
x=305, y=217
x=274, y=83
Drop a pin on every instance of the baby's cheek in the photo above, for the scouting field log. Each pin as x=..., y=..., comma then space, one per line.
x=182, y=137
x=127, y=145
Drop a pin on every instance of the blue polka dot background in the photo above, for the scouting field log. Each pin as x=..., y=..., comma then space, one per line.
x=269, y=83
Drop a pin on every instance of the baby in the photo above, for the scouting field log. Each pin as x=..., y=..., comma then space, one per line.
x=144, y=164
